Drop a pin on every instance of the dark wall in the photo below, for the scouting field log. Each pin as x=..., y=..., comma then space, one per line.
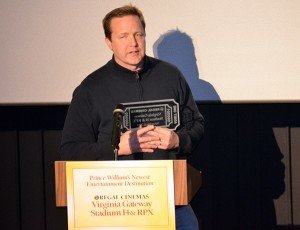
x=249, y=159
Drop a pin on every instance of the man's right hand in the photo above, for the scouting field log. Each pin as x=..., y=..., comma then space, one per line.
x=138, y=140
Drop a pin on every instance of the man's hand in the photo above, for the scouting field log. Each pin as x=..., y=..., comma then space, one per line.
x=168, y=139
x=143, y=140
x=147, y=139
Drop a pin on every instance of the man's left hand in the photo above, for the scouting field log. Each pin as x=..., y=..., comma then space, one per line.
x=168, y=139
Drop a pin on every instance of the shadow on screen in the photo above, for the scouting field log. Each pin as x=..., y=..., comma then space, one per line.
x=177, y=48
x=240, y=159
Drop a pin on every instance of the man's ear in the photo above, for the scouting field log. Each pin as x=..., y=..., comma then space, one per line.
x=108, y=43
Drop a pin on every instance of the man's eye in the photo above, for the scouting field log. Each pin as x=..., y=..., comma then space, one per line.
x=139, y=35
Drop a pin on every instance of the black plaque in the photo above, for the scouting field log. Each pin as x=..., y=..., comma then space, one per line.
x=163, y=113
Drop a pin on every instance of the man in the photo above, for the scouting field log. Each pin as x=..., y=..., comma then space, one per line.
x=131, y=76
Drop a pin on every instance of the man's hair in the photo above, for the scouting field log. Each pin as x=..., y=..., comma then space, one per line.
x=118, y=13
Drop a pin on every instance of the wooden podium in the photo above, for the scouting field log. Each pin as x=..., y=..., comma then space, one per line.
x=187, y=181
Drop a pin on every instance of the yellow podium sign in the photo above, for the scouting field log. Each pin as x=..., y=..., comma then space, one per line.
x=120, y=195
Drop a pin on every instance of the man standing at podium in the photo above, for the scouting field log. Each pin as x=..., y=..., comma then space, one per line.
x=131, y=76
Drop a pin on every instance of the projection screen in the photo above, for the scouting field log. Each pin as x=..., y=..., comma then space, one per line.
x=229, y=51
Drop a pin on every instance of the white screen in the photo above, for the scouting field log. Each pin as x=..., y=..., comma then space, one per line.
x=232, y=50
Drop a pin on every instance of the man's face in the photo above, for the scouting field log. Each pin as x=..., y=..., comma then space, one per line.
x=127, y=41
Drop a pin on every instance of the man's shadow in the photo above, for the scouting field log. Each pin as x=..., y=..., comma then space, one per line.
x=177, y=48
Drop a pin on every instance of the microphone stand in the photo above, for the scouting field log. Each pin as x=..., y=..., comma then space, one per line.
x=118, y=114
x=116, y=150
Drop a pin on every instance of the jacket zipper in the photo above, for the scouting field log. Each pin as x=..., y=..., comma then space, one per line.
x=140, y=89
x=139, y=156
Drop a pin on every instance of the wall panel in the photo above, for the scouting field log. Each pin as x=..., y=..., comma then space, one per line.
x=295, y=165
x=202, y=160
x=9, y=189
x=249, y=167
x=32, y=180
x=56, y=218
x=283, y=203
x=223, y=150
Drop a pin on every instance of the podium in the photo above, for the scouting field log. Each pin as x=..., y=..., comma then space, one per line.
x=124, y=194
x=187, y=181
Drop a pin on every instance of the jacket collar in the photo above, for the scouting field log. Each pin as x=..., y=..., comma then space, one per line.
x=144, y=69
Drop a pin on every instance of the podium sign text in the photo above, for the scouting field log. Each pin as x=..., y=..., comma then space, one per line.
x=120, y=195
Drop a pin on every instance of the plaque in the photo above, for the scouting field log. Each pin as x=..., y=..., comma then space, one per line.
x=163, y=113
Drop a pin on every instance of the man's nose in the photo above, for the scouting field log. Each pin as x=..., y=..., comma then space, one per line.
x=133, y=40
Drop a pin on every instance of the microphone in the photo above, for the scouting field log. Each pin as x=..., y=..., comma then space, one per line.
x=118, y=114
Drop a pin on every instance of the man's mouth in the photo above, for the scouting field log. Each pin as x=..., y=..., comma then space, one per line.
x=134, y=52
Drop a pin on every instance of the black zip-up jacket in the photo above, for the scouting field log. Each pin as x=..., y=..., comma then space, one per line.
x=88, y=125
